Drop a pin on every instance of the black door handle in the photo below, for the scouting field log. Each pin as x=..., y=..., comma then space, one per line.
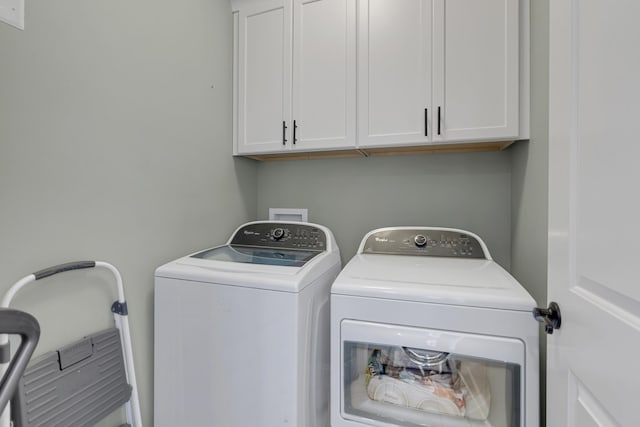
x=549, y=316
x=438, y=120
x=284, y=133
x=295, y=128
x=426, y=123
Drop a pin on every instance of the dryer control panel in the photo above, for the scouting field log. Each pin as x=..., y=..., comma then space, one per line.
x=424, y=242
x=281, y=235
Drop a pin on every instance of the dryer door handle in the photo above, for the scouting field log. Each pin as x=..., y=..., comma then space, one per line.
x=549, y=316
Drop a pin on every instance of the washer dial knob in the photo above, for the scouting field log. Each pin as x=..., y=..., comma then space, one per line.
x=277, y=233
x=420, y=240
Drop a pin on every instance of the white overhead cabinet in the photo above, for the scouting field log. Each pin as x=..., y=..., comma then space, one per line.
x=476, y=73
x=438, y=71
x=264, y=75
x=422, y=75
x=394, y=73
x=295, y=75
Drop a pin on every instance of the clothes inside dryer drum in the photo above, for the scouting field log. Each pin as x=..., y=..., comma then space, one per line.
x=446, y=386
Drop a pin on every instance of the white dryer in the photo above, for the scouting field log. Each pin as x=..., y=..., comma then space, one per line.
x=427, y=330
x=242, y=330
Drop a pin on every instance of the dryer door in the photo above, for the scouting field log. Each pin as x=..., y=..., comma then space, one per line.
x=397, y=375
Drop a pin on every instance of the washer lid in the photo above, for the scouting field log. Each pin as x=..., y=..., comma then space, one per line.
x=258, y=255
x=453, y=281
x=283, y=278
x=267, y=255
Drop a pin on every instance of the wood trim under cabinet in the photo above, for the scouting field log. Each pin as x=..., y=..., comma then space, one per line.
x=439, y=148
x=306, y=155
x=387, y=151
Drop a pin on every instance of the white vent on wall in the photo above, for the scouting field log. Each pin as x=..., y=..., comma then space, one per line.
x=12, y=12
x=286, y=214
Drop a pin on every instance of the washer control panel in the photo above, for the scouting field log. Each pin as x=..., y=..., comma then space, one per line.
x=424, y=242
x=281, y=235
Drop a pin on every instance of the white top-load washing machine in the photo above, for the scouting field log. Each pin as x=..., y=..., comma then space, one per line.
x=427, y=330
x=242, y=330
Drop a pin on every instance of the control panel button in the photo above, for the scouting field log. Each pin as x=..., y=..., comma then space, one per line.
x=277, y=233
x=420, y=240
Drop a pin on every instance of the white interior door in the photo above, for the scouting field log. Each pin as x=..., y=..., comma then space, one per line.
x=594, y=208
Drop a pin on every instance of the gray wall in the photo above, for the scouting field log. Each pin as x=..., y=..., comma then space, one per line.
x=529, y=179
x=115, y=130
x=115, y=144
x=353, y=196
x=530, y=168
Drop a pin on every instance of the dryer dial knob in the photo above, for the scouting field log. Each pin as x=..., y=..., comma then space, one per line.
x=420, y=240
x=277, y=233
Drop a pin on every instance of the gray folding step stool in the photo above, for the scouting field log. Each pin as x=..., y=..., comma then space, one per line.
x=81, y=383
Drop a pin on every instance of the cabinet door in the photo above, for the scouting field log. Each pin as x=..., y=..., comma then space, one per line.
x=264, y=76
x=476, y=70
x=324, y=74
x=394, y=72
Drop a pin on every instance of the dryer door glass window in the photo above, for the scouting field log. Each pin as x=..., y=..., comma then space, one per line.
x=448, y=379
